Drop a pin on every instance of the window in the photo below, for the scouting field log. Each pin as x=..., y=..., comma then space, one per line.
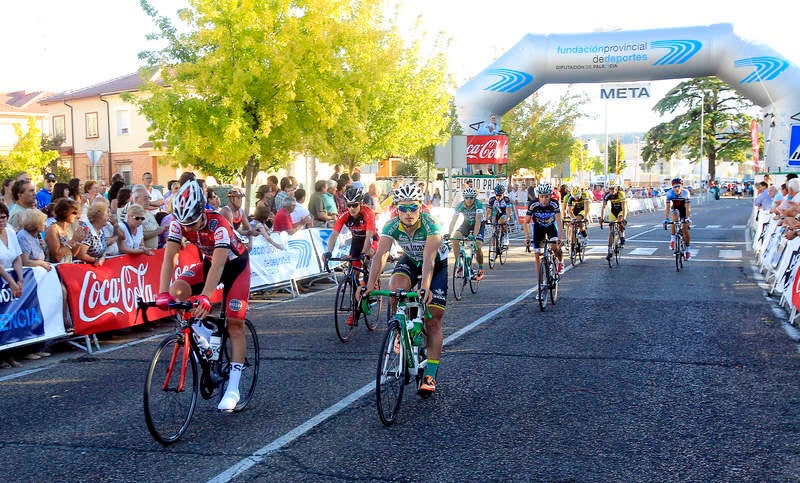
x=59, y=127
x=91, y=125
x=123, y=122
x=126, y=173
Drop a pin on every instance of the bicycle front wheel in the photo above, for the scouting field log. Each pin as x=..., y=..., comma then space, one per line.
x=375, y=307
x=391, y=376
x=493, y=251
x=581, y=250
x=344, y=309
x=553, y=284
x=503, y=253
x=542, y=289
x=459, y=277
x=617, y=251
x=473, y=284
x=251, y=364
x=168, y=407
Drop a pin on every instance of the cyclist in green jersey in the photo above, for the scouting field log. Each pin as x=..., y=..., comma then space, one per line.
x=424, y=260
x=473, y=224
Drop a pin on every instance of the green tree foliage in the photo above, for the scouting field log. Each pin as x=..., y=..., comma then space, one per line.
x=247, y=84
x=540, y=135
x=616, y=157
x=27, y=154
x=726, y=128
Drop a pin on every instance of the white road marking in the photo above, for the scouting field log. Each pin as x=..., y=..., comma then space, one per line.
x=713, y=226
x=730, y=254
x=643, y=251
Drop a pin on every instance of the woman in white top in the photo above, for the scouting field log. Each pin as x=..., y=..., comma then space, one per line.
x=10, y=254
x=131, y=234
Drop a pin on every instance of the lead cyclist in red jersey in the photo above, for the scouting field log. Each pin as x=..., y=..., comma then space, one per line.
x=225, y=259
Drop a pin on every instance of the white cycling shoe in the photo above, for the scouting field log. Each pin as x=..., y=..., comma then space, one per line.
x=229, y=401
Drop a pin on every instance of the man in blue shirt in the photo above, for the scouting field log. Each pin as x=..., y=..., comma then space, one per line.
x=45, y=195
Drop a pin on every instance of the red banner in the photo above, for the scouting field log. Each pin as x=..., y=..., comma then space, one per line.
x=796, y=290
x=487, y=149
x=104, y=298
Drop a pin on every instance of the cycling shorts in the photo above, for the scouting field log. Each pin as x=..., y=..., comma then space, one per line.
x=357, y=247
x=235, y=279
x=578, y=210
x=681, y=210
x=465, y=230
x=406, y=267
x=540, y=231
x=613, y=215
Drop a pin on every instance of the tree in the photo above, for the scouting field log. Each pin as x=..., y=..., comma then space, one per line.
x=540, y=135
x=27, y=154
x=616, y=157
x=726, y=124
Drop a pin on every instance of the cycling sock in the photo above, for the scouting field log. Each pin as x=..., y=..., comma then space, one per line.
x=233, y=379
x=431, y=367
x=480, y=266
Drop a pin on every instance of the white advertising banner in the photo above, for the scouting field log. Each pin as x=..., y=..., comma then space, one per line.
x=37, y=315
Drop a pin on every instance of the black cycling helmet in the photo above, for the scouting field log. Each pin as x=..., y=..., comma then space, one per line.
x=353, y=195
x=677, y=181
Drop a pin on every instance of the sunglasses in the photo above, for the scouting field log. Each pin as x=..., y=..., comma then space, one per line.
x=676, y=186
x=407, y=208
x=469, y=197
x=139, y=218
x=353, y=205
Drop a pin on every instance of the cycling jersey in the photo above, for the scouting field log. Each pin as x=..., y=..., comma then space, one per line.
x=498, y=206
x=543, y=215
x=617, y=200
x=470, y=213
x=358, y=225
x=216, y=233
x=678, y=201
x=576, y=204
x=413, y=244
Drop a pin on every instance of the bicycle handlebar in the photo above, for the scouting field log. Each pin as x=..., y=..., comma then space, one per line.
x=400, y=294
x=142, y=305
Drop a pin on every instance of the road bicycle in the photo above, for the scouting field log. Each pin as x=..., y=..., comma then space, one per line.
x=172, y=383
x=465, y=270
x=402, y=353
x=345, y=310
x=496, y=248
x=679, y=250
x=614, y=244
x=576, y=242
x=548, y=275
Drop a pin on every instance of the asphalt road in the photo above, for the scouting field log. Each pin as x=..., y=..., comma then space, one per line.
x=638, y=373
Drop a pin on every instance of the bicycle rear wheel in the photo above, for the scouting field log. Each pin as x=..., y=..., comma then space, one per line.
x=252, y=362
x=375, y=307
x=542, y=289
x=459, y=279
x=167, y=410
x=391, y=376
x=344, y=308
x=617, y=251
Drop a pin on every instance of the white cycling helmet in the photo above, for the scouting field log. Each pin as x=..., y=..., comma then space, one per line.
x=189, y=203
x=544, y=189
x=407, y=192
x=469, y=192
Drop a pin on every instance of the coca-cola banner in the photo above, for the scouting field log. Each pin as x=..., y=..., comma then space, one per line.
x=487, y=150
x=104, y=298
x=36, y=315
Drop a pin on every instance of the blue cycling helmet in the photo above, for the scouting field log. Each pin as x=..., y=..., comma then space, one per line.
x=499, y=189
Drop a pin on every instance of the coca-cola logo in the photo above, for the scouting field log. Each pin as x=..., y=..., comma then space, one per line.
x=113, y=296
x=491, y=149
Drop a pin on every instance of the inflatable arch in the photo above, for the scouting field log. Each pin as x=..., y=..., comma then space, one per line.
x=755, y=71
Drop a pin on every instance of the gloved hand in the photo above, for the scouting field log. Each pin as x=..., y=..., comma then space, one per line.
x=203, y=303
x=470, y=237
x=689, y=221
x=163, y=299
x=666, y=222
x=446, y=236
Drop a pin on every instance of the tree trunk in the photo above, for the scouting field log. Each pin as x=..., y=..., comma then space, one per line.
x=249, y=177
x=712, y=166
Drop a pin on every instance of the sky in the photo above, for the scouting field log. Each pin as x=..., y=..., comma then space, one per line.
x=58, y=45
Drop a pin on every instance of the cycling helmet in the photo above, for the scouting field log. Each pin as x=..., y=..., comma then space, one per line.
x=544, y=189
x=353, y=195
x=613, y=184
x=407, y=192
x=677, y=181
x=189, y=203
x=468, y=191
x=575, y=191
x=499, y=189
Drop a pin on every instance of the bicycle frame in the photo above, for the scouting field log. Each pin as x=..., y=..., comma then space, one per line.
x=401, y=316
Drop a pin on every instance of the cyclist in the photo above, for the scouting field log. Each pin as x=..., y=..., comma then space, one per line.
x=425, y=260
x=472, y=226
x=576, y=204
x=500, y=208
x=545, y=217
x=360, y=220
x=678, y=208
x=225, y=260
x=618, y=212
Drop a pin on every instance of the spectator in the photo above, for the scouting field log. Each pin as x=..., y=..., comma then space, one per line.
x=8, y=199
x=356, y=177
x=24, y=197
x=156, y=197
x=75, y=190
x=172, y=189
x=341, y=203
x=316, y=205
x=337, y=172
x=490, y=128
x=345, y=178
x=234, y=212
x=91, y=191
x=300, y=213
x=164, y=223
x=119, y=205
x=371, y=197
x=263, y=198
x=60, y=190
x=329, y=198
x=63, y=240
x=436, y=199
x=262, y=225
x=30, y=239
x=10, y=263
x=131, y=239
x=288, y=186
x=283, y=218
x=213, y=201
x=45, y=195
x=151, y=230
x=94, y=245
